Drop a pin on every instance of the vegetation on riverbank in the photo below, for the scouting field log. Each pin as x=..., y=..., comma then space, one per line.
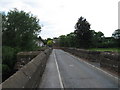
x=105, y=49
x=19, y=33
x=84, y=37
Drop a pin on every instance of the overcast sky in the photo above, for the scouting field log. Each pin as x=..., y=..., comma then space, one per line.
x=60, y=16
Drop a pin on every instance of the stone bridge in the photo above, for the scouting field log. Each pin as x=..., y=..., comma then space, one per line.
x=56, y=68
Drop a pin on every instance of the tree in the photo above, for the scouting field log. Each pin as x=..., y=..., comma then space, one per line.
x=97, y=38
x=83, y=33
x=116, y=36
x=62, y=40
x=46, y=40
x=21, y=29
x=71, y=40
x=50, y=43
x=68, y=40
x=56, y=42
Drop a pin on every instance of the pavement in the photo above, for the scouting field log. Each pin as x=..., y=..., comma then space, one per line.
x=64, y=70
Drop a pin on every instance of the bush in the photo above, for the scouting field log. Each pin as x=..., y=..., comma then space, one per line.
x=5, y=72
x=8, y=61
x=5, y=69
x=8, y=56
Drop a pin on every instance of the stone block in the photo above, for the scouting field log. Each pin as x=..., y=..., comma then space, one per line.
x=18, y=80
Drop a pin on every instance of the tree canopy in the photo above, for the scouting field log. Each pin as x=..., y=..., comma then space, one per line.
x=19, y=33
x=83, y=33
x=116, y=34
x=20, y=29
x=50, y=43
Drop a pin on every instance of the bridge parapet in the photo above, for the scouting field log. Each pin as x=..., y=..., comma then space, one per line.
x=29, y=76
x=109, y=60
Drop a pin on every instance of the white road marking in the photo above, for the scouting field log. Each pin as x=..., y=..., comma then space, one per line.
x=61, y=84
x=93, y=66
x=71, y=65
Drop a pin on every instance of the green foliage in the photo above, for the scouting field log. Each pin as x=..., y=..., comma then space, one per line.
x=19, y=33
x=105, y=49
x=116, y=36
x=5, y=69
x=83, y=37
x=46, y=40
x=97, y=39
x=62, y=40
x=67, y=41
x=50, y=43
x=83, y=33
x=8, y=61
x=8, y=56
x=20, y=30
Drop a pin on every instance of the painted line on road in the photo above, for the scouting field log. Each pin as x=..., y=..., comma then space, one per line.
x=60, y=79
x=93, y=66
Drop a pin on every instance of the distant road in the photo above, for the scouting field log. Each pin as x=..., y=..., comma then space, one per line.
x=66, y=71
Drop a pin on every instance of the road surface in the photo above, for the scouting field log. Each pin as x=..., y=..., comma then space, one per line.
x=64, y=70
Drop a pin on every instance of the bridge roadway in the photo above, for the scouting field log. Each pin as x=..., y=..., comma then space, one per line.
x=64, y=70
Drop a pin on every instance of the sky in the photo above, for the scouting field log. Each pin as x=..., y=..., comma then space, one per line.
x=58, y=17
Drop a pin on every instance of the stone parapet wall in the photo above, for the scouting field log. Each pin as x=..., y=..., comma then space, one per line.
x=86, y=54
x=24, y=57
x=110, y=60
x=29, y=76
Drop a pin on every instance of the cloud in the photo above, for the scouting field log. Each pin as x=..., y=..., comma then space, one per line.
x=59, y=16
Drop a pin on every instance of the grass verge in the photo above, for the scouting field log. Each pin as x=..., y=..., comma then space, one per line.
x=105, y=49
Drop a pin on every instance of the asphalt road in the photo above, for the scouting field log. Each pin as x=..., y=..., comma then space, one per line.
x=64, y=70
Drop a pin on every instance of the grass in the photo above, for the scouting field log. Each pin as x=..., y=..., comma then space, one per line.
x=105, y=49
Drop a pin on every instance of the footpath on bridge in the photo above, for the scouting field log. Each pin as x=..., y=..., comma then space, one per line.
x=50, y=77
